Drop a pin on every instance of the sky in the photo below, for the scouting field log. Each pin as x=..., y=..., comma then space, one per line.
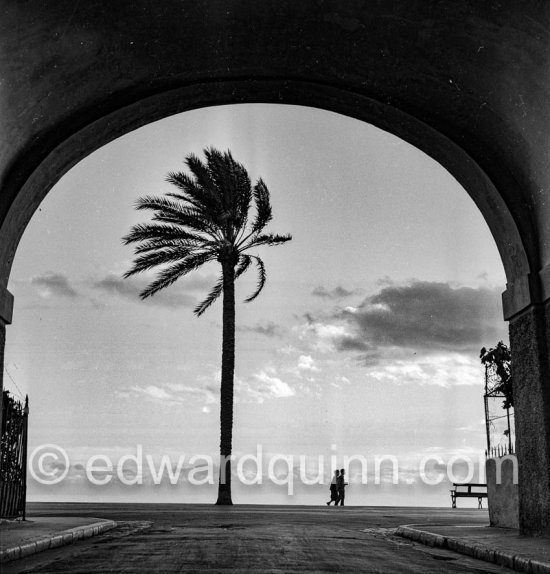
x=364, y=343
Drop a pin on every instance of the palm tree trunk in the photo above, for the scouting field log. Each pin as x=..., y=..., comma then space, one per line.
x=228, y=369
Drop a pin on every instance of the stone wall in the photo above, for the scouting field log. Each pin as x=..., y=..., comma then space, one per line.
x=531, y=407
x=503, y=491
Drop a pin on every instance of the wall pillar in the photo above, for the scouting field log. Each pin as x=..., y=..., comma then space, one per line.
x=2, y=346
x=530, y=346
x=6, y=308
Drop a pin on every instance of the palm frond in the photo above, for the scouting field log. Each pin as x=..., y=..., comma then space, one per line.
x=244, y=263
x=159, y=203
x=212, y=296
x=220, y=165
x=262, y=277
x=191, y=219
x=168, y=210
x=162, y=256
x=232, y=180
x=194, y=193
x=148, y=231
x=202, y=174
x=156, y=244
x=267, y=239
x=243, y=201
x=171, y=274
x=263, y=206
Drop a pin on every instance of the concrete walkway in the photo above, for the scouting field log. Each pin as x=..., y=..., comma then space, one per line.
x=366, y=533
x=500, y=546
x=22, y=538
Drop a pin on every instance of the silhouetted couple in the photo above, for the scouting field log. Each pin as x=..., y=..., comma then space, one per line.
x=338, y=488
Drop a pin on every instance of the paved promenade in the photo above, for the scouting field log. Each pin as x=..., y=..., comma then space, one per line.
x=250, y=538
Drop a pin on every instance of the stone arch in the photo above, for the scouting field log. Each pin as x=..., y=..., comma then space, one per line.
x=466, y=82
x=88, y=138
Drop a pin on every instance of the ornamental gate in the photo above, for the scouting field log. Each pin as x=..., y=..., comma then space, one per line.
x=13, y=464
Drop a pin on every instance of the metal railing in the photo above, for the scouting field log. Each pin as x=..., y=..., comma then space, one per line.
x=500, y=450
x=13, y=475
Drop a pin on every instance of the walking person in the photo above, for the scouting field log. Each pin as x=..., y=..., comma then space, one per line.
x=334, y=489
x=341, y=488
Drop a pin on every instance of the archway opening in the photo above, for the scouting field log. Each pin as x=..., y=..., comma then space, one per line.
x=365, y=342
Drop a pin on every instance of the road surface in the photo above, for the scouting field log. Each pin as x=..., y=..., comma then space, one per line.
x=248, y=538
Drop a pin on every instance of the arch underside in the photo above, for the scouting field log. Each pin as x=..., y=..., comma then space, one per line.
x=87, y=139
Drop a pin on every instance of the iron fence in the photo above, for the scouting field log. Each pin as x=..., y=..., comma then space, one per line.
x=499, y=451
x=13, y=464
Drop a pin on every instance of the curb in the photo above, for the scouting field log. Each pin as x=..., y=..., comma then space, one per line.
x=479, y=551
x=61, y=539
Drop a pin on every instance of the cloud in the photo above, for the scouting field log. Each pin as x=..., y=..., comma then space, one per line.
x=337, y=293
x=307, y=363
x=175, y=394
x=273, y=386
x=442, y=370
x=153, y=392
x=351, y=343
x=424, y=315
x=424, y=333
x=268, y=329
x=340, y=382
x=305, y=371
x=322, y=336
x=330, y=334
x=54, y=284
x=131, y=288
x=263, y=385
x=207, y=393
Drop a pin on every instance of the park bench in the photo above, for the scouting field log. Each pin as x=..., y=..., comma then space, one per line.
x=464, y=490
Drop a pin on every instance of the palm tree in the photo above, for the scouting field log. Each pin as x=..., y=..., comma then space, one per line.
x=207, y=219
